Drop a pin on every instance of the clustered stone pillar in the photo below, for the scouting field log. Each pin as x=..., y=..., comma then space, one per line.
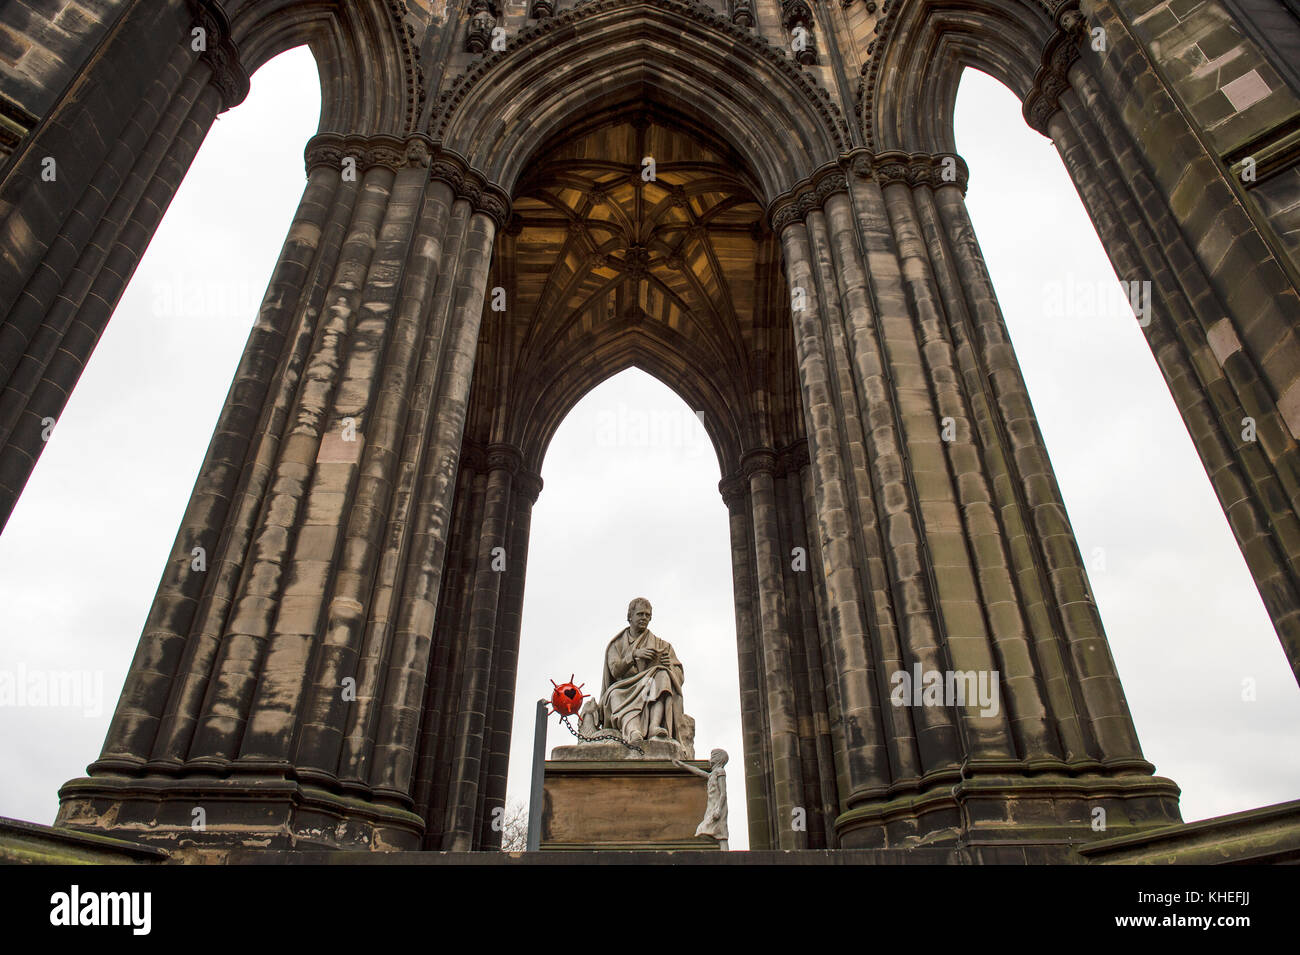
x=80, y=199
x=787, y=715
x=943, y=541
x=280, y=681
x=465, y=745
x=1218, y=308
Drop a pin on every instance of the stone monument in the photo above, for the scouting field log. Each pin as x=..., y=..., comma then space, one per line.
x=633, y=782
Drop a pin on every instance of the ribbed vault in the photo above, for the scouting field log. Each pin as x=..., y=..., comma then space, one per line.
x=603, y=267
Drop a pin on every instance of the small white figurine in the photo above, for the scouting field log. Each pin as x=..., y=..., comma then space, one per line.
x=714, y=823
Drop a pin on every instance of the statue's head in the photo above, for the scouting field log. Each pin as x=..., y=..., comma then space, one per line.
x=638, y=614
x=718, y=758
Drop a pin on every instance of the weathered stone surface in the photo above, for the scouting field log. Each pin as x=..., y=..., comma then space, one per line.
x=800, y=266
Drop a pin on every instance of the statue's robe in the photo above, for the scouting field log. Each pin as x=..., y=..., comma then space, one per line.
x=629, y=687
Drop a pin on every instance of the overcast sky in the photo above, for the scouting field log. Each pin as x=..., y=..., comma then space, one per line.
x=630, y=506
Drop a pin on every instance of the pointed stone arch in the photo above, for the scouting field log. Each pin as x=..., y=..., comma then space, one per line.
x=602, y=52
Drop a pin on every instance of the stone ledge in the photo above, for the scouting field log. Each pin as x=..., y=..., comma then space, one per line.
x=31, y=843
x=1268, y=835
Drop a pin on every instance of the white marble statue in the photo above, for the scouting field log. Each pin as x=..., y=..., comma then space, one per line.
x=714, y=823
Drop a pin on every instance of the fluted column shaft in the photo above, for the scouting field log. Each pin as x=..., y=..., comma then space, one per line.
x=774, y=627
x=762, y=822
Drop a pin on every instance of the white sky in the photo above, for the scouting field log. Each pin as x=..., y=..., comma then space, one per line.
x=630, y=506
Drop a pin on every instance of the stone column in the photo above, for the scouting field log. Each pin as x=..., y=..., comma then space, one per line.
x=294, y=656
x=773, y=630
x=525, y=489
x=1180, y=224
x=865, y=760
x=81, y=197
x=960, y=529
x=762, y=834
x=473, y=721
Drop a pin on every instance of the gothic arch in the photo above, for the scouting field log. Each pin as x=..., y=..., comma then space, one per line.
x=371, y=76
x=909, y=90
x=511, y=102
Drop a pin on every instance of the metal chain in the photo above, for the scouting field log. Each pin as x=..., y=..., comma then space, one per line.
x=595, y=739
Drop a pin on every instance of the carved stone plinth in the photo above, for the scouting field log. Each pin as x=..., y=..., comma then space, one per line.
x=623, y=804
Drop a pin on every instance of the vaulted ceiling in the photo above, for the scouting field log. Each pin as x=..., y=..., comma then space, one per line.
x=610, y=262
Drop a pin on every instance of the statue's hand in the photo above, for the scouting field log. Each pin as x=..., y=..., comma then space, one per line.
x=643, y=656
x=664, y=659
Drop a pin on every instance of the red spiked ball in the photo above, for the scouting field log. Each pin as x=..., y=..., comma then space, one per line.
x=567, y=698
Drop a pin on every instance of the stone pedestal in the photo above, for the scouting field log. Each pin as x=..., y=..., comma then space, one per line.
x=623, y=804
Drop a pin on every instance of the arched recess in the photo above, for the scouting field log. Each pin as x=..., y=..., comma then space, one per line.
x=1222, y=296
x=159, y=78
x=600, y=269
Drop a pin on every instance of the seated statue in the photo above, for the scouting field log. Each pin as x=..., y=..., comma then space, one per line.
x=641, y=693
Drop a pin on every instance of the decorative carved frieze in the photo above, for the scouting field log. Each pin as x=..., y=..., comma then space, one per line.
x=913, y=169
x=415, y=151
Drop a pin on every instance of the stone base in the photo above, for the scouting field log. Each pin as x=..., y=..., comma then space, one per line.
x=622, y=804
x=258, y=812
x=990, y=809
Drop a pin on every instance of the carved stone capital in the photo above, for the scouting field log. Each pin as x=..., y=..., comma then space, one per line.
x=758, y=461
x=793, y=457
x=733, y=490
x=220, y=54
x=1051, y=81
x=527, y=484
x=366, y=152
x=783, y=215
x=473, y=457
x=504, y=457
x=891, y=167
x=830, y=184
x=467, y=184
